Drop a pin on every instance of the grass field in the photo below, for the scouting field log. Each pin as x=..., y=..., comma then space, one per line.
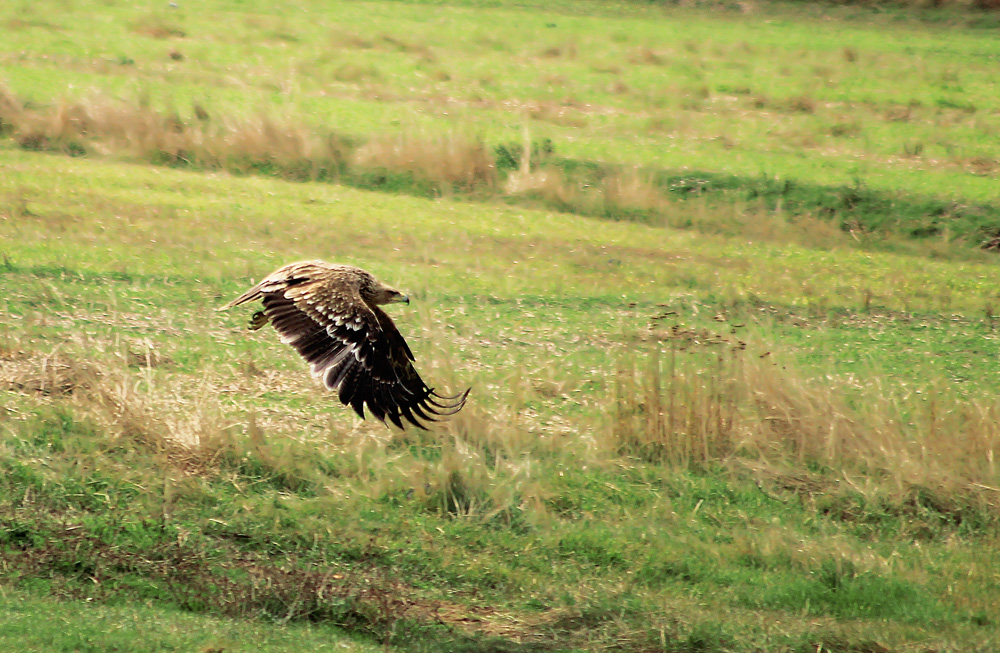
x=730, y=335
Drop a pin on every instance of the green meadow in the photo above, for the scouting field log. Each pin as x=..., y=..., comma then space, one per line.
x=721, y=279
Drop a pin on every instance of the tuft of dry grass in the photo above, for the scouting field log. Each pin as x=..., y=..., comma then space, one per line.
x=801, y=104
x=453, y=161
x=548, y=184
x=55, y=373
x=633, y=189
x=248, y=143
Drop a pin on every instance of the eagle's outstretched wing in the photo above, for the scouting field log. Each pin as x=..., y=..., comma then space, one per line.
x=353, y=347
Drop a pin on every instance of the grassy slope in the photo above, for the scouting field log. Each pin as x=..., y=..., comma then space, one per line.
x=137, y=273
x=530, y=518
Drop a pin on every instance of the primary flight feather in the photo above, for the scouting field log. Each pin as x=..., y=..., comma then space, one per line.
x=330, y=314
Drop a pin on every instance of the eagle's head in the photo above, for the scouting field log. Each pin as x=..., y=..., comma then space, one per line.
x=375, y=292
x=387, y=295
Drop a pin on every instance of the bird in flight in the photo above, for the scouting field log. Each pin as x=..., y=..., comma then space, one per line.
x=330, y=314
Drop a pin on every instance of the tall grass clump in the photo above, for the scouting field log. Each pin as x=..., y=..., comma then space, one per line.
x=453, y=163
x=104, y=126
x=696, y=406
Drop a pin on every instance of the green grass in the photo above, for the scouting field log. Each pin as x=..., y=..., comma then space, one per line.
x=678, y=440
x=33, y=624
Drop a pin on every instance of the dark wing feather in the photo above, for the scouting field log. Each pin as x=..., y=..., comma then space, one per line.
x=356, y=350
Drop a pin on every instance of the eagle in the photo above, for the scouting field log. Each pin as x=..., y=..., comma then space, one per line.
x=330, y=314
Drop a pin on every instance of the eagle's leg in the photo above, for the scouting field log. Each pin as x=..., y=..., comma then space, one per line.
x=258, y=320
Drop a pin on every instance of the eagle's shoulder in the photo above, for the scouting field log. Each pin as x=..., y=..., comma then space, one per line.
x=331, y=296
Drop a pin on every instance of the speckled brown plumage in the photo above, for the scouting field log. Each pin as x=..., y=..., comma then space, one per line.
x=330, y=315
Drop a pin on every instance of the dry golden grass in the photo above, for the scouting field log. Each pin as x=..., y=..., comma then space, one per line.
x=633, y=189
x=548, y=183
x=100, y=123
x=453, y=161
x=706, y=400
x=54, y=373
x=106, y=126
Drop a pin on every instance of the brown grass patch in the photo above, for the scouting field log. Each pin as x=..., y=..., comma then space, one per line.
x=347, y=41
x=19, y=23
x=339, y=39
x=362, y=595
x=145, y=354
x=239, y=584
x=898, y=113
x=423, y=52
x=794, y=104
x=353, y=72
x=157, y=28
x=647, y=57
x=801, y=104
x=564, y=50
x=846, y=129
x=618, y=87
x=984, y=166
